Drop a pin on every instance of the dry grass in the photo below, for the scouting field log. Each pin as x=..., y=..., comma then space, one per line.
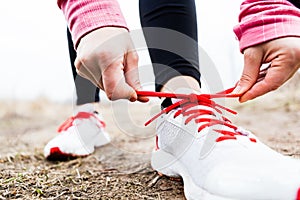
x=115, y=171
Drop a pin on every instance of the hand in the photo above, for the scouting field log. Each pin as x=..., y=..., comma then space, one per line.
x=283, y=56
x=108, y=59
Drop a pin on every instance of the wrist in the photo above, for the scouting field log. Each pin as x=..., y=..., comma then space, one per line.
x=100, y=35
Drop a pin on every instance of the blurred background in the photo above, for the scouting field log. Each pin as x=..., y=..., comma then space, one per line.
x=34, y=56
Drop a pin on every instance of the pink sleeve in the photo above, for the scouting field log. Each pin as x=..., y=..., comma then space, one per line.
x=261, y=21
x=84, y=16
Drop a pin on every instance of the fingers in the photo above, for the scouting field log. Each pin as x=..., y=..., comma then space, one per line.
x=117, y=82
x=104, y=57
x=131, y=73
x=262, y=74
x=252, y=63
x=272, y=80
x=114, y=83
x=276, y=75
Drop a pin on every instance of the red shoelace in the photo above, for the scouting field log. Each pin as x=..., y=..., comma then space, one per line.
x=188, y=107
x=81, y=115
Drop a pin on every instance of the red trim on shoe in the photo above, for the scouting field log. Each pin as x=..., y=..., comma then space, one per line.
x=156, y=143
x=81, y=115
x=298, y=194
x=57, y=155
x=55, y=152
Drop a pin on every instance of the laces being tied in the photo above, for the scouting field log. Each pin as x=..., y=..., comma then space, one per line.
x=188, y=107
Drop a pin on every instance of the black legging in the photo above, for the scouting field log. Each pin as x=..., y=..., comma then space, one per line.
x=168, y=48
x=86, y=91
x=295, y=2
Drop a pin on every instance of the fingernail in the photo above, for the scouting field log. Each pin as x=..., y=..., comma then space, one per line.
x=132, y=99
x=241, y=100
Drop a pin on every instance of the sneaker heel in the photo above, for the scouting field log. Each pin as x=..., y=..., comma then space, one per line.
x=177, y=179
x=164, y=164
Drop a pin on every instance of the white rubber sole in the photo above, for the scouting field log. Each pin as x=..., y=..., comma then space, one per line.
x=168, y=165
x=56, y=153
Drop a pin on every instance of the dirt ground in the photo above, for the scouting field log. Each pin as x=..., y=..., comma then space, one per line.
x=121, y=169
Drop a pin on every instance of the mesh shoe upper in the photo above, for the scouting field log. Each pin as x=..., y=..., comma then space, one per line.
x=217, y=159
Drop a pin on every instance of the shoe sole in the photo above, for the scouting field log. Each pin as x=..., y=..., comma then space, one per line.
x=166, y=164
x=56, y=154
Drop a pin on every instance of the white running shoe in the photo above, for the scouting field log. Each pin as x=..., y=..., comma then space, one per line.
x=78, y=136
x=216, y=159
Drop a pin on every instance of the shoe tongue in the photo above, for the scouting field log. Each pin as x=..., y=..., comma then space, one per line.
x=191, y=91
x=89, y=107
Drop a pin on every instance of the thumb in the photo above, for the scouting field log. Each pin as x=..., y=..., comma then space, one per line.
x=132, y=73
x=114, y=83
x=252, y=63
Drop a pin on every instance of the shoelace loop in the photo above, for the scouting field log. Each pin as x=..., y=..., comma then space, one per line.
x=188, y=102
x=80, y=115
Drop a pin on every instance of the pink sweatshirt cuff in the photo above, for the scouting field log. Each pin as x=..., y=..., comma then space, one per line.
x=262, y=21
x=84, y=16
